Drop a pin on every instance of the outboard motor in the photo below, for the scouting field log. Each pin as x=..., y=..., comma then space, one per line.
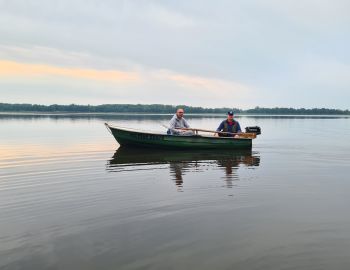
x=256, y=130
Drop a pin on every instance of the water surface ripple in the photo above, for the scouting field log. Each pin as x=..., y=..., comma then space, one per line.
x=71, y=198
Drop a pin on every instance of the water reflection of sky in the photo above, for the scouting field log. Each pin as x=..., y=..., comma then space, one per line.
x=70, y=198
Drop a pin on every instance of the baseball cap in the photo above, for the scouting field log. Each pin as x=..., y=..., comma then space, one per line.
x=230, y=112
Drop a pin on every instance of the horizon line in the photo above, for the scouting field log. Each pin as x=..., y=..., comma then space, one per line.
x=171, y=105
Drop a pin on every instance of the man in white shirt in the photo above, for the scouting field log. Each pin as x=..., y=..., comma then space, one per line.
x=177, y=122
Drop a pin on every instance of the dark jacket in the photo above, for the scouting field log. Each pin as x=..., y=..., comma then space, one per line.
x=232, y=127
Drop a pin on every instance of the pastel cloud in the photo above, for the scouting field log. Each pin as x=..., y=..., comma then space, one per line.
x=140, y=85
x=209, y=86
x=15, y=69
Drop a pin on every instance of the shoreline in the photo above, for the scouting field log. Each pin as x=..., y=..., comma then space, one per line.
x=161, y=114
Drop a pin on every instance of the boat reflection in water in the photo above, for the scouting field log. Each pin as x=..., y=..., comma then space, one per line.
x=182, y=162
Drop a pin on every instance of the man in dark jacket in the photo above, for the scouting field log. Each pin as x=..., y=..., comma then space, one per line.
x=229, y=125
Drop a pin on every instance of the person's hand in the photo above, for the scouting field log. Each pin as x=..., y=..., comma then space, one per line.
x=216, y=134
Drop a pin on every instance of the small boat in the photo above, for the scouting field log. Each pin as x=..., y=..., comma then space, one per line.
x=131, y=137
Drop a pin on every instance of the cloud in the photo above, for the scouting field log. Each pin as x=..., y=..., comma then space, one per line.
x=316, y=15
x=14, y=69
x=208, y=87
x=200, y=51
x=103, y=86
x=321, y=72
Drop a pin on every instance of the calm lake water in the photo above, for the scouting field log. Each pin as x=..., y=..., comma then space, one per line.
x=70, y=199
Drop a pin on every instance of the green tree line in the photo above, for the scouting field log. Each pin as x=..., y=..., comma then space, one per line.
x=293, y=111
x=159, y=108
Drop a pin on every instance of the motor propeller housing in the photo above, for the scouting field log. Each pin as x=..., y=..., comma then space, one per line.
x=255, y=129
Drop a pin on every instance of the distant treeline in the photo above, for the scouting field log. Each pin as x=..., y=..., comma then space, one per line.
x=293, y=111
x=108, y=108
x=158, y=108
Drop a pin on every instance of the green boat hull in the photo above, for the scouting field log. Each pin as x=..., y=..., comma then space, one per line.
x=126, y=137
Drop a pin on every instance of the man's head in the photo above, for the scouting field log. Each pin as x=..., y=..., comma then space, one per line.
x=230, y=115
x=180, y=113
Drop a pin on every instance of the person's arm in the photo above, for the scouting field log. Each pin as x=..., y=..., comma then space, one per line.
x=172, y=126
x=238, y=128
x=221, y=127
x=172, y=123
x=186, y=123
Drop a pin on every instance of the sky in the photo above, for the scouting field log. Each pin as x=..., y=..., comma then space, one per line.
x=240, y=54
